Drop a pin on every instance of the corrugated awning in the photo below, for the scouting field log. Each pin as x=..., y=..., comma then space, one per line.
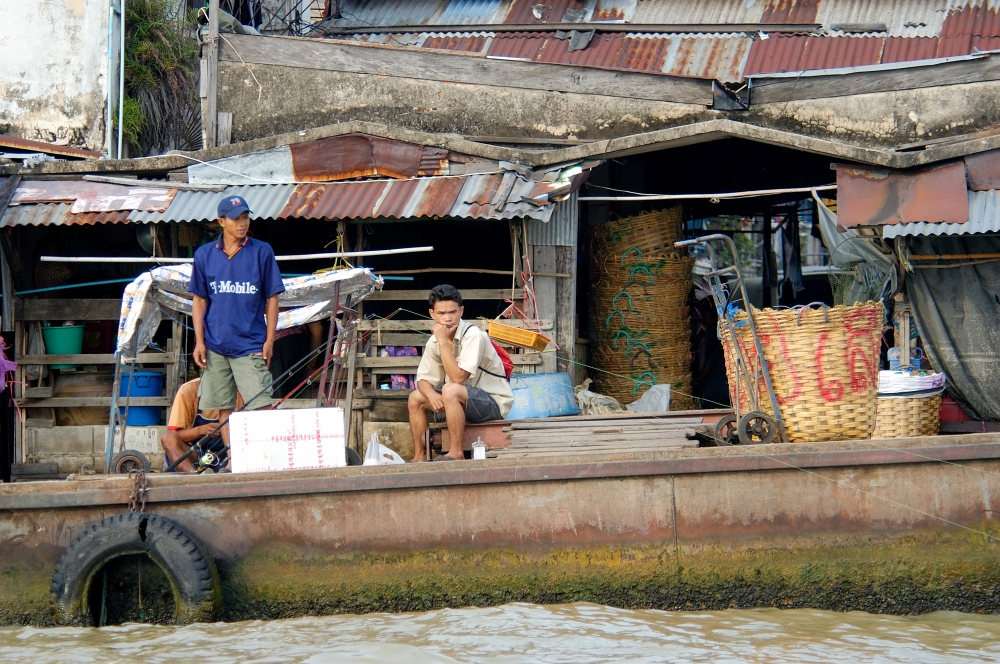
x=508, y=194
x=984, y=217
x=881, y=196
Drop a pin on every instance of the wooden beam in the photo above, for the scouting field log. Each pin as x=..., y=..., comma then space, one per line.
x=210, y=79
x=91, y=402
x=397, y=363
x=96, y=358
x=426, y=324
x=424, y=64
x=422, y=295
x=655, y=28
x=60, y=310
x=780, y=90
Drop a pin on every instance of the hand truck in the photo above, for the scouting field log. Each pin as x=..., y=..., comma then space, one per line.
x=754, y=427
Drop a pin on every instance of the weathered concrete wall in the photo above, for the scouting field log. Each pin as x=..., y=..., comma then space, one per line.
x=327, y=97
x=870, y=525
x=291, y=99
x=54, y=75
x=888, y=118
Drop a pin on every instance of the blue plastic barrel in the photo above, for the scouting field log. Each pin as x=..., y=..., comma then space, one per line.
x=144, y=384
x=542, y=395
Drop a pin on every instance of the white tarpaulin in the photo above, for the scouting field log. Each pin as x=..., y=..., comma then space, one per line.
x=310, y=298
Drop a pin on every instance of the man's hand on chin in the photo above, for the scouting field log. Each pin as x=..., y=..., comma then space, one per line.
x=443, y=333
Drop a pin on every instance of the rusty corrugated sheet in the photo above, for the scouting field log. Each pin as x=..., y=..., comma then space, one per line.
x=602, y=51
x=360, y=155
x=720, y=57
x=618, y=11
x=346, y=200
x=85, y=196
x=518, y=45
x=425, y=198
x=57, y=214
x=642, y=53
x=783, y=53
x=902, y=49
x=982, y=21
x=790, y=11
x=700, y=12
x=984, y=217
x=983, y=170
x=459, y=42
x=7, y=141
x=522, y=12
x=875, y=197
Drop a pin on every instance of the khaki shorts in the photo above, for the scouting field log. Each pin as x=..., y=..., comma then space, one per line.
x=225, y=375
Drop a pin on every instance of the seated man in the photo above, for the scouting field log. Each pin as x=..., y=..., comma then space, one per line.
x=460, y=377
x=187, y=425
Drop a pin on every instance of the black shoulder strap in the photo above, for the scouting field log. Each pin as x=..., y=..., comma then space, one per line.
x=480, y=365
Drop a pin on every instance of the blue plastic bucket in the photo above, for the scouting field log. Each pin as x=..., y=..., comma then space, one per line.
x=144, y=384
x=542, y=395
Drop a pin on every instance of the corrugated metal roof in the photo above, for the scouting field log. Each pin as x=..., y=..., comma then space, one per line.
x=901, y=18
x=58, y=214
x=700, y=11
x=601, y=52
x=791, y=53
x=970, y=19
x=561, y=229
x=265, y=201
x=984, y=217
x=518, y=45
x=790, y=11
x=721, y=57
x=474, y=42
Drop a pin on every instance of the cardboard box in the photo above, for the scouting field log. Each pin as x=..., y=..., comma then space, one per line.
x=268, y=440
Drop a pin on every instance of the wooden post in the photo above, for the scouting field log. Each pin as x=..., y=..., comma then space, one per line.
x=210, y=79
x=544, y=260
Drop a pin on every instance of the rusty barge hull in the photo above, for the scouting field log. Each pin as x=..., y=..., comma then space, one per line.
x=901, y=526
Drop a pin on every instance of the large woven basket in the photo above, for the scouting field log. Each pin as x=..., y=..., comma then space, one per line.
x=905, y=418
x=824, y=368
x=642, y=325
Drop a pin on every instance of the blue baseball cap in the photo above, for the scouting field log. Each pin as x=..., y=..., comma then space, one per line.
x=233, y=207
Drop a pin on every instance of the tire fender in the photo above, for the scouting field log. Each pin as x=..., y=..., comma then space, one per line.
x=185, y=561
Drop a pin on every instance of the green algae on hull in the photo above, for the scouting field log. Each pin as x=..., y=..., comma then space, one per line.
x=910, y=576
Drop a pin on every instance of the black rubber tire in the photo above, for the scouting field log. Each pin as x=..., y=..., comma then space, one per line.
x=353, y=458
x=128, y=460
x=185, y=562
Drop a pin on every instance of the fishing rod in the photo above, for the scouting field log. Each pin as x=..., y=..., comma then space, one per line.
x=197, y=446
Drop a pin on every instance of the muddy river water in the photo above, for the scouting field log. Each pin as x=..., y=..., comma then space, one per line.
x=571, y=633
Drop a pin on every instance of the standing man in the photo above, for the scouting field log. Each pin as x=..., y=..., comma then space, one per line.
x=235, y=282
x=460, y=378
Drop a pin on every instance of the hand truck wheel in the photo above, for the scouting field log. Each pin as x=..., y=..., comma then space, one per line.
x=725, y=431
x=125, y=462
x=756, y=428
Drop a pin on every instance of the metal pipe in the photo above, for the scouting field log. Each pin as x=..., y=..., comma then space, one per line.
x=161, y=259
x=734, y=194
x=121, y=81
x=111, y=65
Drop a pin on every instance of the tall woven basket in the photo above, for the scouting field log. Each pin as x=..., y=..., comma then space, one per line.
x=643, y=331
x=906, y=418
x=824, y=368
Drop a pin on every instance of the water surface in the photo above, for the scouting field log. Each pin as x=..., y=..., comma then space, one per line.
x=571, y=633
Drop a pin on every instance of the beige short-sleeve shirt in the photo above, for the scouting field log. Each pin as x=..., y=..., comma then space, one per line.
x=475, y=354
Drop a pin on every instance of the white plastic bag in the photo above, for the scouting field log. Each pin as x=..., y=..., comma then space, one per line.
x=377, y=454
x=655, y=400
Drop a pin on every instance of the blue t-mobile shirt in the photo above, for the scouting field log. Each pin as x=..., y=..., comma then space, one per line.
x=237, y=289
